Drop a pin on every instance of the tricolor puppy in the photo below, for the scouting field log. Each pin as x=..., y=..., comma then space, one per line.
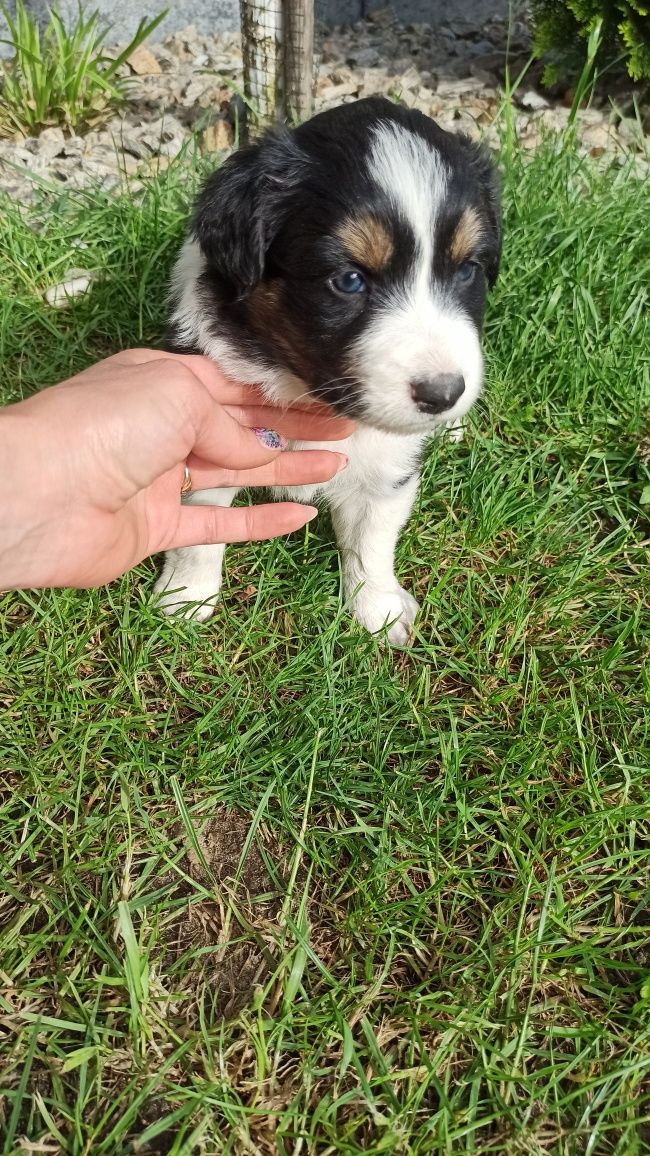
x=348, y=258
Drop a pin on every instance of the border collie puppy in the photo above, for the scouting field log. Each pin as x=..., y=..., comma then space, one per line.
x=349, y=259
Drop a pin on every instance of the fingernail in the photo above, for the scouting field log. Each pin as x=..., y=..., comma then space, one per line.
x=311, y=512
x=343, y=463
x=270, y=438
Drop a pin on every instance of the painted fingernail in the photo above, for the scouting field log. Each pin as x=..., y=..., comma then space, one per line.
x=270, y=438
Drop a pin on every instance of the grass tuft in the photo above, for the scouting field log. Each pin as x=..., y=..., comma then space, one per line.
x=62, y=76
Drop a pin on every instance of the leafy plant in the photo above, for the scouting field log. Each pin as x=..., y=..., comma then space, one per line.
x=62, y=77
x=560, y=25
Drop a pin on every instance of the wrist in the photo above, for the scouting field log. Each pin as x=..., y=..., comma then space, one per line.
x=22, y=515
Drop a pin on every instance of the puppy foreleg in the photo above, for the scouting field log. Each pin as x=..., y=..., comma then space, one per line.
x=190, y=581
x=367, y=528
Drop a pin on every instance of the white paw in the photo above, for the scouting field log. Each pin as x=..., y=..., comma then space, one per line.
x=187, y=596
x=375, y=608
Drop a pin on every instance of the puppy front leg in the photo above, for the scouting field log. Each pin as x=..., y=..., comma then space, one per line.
x=367, y=527
x=193, y=574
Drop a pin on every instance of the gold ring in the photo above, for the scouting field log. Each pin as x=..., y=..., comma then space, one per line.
x=186, y=488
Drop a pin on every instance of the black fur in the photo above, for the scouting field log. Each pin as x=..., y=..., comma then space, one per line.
x=268, y=217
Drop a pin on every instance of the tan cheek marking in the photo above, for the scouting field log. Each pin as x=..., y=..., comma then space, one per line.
x=268, y=319
x=368, y=241
x=467, y=234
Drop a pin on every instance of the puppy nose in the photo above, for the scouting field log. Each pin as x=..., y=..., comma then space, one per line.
x=436, y=394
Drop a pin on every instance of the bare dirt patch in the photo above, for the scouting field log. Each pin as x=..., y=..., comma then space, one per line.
x=230, y=931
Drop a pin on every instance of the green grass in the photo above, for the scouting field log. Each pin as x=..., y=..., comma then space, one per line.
x=61, y=76
x=271, y=888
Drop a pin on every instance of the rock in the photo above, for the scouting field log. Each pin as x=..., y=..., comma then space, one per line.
x=165, y=135
x=383, y=17
x=330, y=93
x=555, y=119
x=77, y=282
x=483, y=78
x=630, y=131
x=133, y=144
x=364, y=58
x=217, y=137
x=479, y=48
x=202, y=92
x=591, y=116
x=410, y=80
x=164, y=57
x=72, y=147
x=533, y=100
x=373, y=81
x=48, y=144
x=596, y=136
x=143, y=62
x=453, y=89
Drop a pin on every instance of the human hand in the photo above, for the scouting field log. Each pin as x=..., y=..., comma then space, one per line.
x=94, y=467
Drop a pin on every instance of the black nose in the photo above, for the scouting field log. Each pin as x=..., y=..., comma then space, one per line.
x=436, y=394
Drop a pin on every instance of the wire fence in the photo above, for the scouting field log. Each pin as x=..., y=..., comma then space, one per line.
x=279, y=64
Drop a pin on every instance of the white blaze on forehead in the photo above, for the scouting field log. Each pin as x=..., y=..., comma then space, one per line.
x=412, y=176
x=418, y=331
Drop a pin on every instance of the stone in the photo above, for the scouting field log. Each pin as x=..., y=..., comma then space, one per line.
x=533, y=100
x=165, y=135
x=164, y=57
x=453, y=89
x=483, y=78
x=330, y=93
x=373, y=81
x=202, y=92
x=76, y=283
x=133, y=144
x=556, y=119
x=410, y=80
x=630, y=131
x=48, y=144
x=383, y=17
x=217, y=137
x=479, y=48
x=591, y=116
x=72, y=147
x=143, y=62
x=364, y=58
x=596, y=136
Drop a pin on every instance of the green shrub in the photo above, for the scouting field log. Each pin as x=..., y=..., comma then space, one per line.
x=561, y=24
x=62, y=77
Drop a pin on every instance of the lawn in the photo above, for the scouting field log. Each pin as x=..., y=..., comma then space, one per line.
x=269, y=887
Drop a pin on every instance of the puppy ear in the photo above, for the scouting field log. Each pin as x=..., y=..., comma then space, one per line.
x=243, y=206
x=489, y=181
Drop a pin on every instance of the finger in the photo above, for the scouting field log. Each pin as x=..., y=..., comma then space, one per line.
x=299, y=468
x=298, y=424
x=223, y=388
x=206, y=525
x=221, y=440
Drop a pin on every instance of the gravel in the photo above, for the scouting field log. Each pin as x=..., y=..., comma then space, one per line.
x=186, y=86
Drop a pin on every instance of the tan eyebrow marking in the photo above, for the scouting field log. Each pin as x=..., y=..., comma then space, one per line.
x=367, y=240
x=467, y=234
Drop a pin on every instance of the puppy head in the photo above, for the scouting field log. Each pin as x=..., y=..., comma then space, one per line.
x=355, y=252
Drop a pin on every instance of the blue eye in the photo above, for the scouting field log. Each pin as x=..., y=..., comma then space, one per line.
x=467, y=271
x=350, y=282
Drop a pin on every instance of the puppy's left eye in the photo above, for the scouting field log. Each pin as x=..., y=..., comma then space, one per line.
x=349, y=282
x=467, y=271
